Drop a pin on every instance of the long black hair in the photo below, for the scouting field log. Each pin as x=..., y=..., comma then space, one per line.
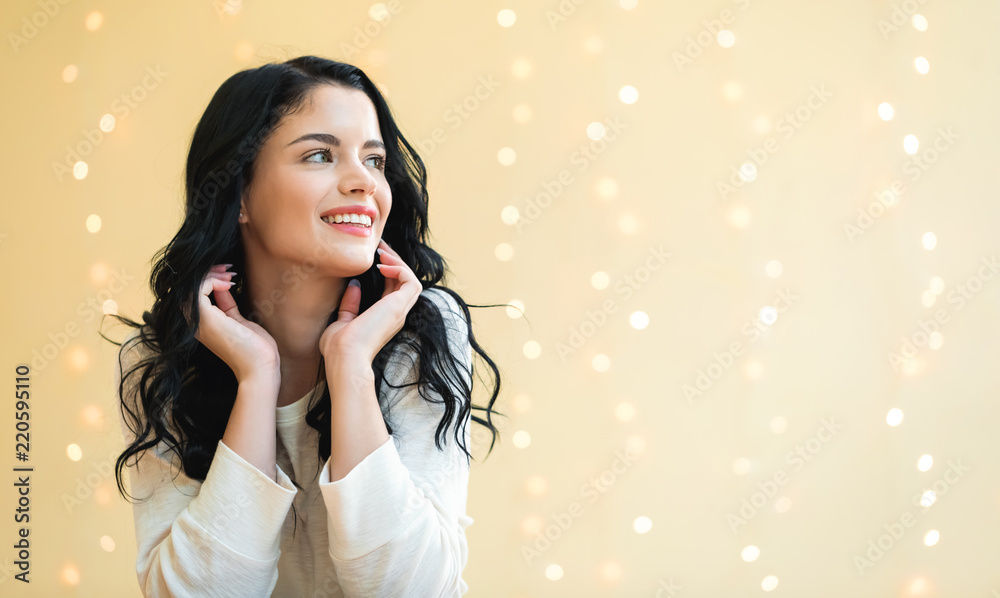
x=185, y=388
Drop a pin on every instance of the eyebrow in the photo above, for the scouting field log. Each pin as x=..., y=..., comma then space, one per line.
x=335, y=141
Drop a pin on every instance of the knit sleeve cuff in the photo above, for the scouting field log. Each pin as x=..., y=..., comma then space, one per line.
x=368, y=507
x=241, y=506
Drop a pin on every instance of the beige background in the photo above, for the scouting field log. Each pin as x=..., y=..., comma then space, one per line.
x=651, y=185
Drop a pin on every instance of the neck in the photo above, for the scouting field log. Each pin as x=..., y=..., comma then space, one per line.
x=294, y=310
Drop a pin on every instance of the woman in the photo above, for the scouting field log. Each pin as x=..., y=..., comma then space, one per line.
x=303, y=393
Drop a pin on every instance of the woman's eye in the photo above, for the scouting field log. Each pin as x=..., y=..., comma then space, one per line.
x=325, y=153
x=379, y=162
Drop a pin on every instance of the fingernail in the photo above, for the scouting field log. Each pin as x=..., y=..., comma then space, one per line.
x=354, y=283
x=380, y=251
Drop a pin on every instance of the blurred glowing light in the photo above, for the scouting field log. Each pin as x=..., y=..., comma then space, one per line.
x=927, y=498
x=894, y=417
x=931, y=538
x=770, y=582
x=732, y=91
x=537, y=485
x=74, y=452
x=93, y=21
x=243, y=51
x=521, y=68
x=779, y=424
x=595, y=130
x=521, y=113
x=748, y=171
x=920, y=22
x=726, y=38
x=522, y=403
x=506, y=156
x=599, y=280
x=628, y=4
x=767, y=315
x=739, y=217
x=911, y=144
x=504, y=252
x=762, y=124
x=925, y=462
x=69, y=73
x=754, y=369
x=110, y=307
x=741, y=466
x=79, y=359
x=107, y=123
x=774, y=268
x=506, y=17
x=553, y=572
x=750, y=553
x=593, y=44
x=607, y=188
x=928, y=298
x=885, y=111
x=515, y=309
x=80, y=170
x=107, y=543
x=532, y=525
x=635, y=445
x=521, y=439
x=642, y=524
x=92, y=415
x=532, y=349
x=922, y=65
x=600, y=362
x=929, y=240
x=783, y=504
x=624, y=411
x=935, y=340
x=611, y=571
x=377, y=11
x=510, y=215
x=69, y=575
x=639, y=320
x=937, y=285
x=628, y=224
x=628, y=94
x=93, y=223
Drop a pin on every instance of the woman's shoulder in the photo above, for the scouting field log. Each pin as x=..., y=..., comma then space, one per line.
x=444, y=299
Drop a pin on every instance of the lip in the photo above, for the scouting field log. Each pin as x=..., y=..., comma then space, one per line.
x=347, y=228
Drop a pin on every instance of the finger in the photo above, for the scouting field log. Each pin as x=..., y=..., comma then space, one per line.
x=350, y=303
x=220, y=267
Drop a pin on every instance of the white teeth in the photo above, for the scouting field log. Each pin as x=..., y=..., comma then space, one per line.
x=361, y=219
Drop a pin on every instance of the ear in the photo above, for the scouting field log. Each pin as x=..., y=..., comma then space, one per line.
x=243, y=210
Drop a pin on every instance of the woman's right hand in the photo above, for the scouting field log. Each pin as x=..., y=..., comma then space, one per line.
x=244, y=345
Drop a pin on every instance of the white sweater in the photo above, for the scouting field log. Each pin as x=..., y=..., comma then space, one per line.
x=393, y=526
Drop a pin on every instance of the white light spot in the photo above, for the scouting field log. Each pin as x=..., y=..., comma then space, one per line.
x=628, y=94
x=885, y=111
x=925, y=462
x=506, y=17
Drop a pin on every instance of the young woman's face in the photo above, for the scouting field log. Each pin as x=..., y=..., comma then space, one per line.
x=329, y=155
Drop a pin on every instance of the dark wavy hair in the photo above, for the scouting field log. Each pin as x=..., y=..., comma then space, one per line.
x=184, y=386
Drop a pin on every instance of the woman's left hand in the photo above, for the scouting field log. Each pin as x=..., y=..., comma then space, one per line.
x=361, y=337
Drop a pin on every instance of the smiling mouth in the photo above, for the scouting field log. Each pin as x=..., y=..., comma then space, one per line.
x=361, y=221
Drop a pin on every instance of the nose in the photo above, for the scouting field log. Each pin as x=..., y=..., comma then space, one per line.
x=355, y=177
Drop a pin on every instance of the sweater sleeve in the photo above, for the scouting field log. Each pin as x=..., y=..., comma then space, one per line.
x=219, y=537
x=397, y=520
